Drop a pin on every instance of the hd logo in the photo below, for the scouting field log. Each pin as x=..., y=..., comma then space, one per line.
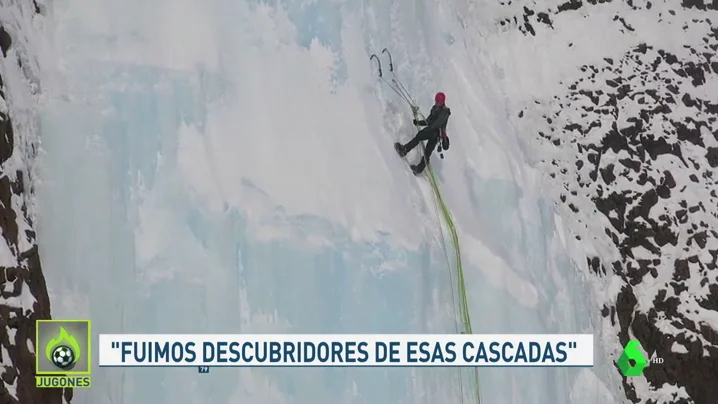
x=63, y=353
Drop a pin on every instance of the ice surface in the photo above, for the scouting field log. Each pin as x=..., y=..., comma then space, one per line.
x=221, y=166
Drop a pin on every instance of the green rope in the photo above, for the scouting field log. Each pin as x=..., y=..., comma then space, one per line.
x=461, y=284
x=448, y=219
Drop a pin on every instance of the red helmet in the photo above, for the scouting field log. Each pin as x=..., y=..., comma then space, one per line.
x=440, y=98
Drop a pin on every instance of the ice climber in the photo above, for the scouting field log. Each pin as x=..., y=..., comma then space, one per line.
x=433, y=131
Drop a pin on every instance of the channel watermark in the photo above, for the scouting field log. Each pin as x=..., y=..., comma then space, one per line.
x=633, y=361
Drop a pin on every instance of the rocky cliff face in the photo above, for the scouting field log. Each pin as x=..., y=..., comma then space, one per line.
x=23, y=294
x=633, y=151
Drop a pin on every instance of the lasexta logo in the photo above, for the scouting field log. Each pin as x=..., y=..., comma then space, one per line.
x=632, y=360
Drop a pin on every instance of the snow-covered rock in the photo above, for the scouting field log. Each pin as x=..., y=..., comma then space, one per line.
x=631, y=144
x=23, y=294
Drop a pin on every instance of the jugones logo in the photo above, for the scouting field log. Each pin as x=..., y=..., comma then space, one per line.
x=633, y=361
x=63, y=353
